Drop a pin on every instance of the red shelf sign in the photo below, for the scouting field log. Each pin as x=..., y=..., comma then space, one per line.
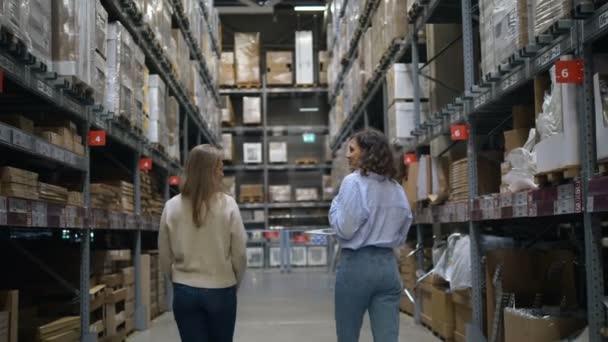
x=460, y=132
x=145, y=164
x=173, y=180
x=570, y=71
x=409, y=158
x=97, y=138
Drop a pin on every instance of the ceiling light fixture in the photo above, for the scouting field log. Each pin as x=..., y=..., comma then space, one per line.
x=309, y=8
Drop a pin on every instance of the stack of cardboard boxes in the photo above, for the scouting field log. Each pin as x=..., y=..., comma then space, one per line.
x=18, y=183
x=247, y=58
x=9, y=315
x=152, y=200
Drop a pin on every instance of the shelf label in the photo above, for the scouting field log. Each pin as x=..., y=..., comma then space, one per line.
x=569, y=71
x=97, y=138
x=459, y=132
x=145, y=164
x=174, y=180
x=602, y=20
x=548, y=56
x=409, y=158
x=44, y=88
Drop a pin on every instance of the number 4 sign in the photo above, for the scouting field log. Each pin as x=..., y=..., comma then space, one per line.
x=409, y=158
x=145, y=164
x=569, y=71
x=173, y=180
x=97, y=138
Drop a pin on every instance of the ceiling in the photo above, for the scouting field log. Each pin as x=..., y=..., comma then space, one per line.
x=262, y=6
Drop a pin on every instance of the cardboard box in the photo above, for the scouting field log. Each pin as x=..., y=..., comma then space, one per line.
x=307, y=194
x=279, y=66
x=463, y=313
x=427, y=303
x=247, y=58
x=252, y=110
x=402, y=120
x=443, y=312
x=227, y=110
x=51, y=137
x=411, y=184
x=101, y=29
x=252, y=153
x=525, y=273
x=277, y=152
x=280, y=193
x=523, y=116
x=18, y=121
x=304, y=58
x=227, y=75
x=521, y=325
x=251, y=190
x=37, y=23
x=100, y=79
x=119, y=97
x=146, y=283
x=9, y=302
x=515, y=138
x=228, y=146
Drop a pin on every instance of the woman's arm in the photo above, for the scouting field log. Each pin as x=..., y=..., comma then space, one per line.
x=238, y=243
x=164, y=246
x=348, y=212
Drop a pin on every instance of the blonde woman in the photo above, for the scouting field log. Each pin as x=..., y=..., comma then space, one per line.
x=202, y=246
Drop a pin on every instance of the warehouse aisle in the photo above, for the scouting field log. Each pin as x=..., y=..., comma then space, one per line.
x=276, y=308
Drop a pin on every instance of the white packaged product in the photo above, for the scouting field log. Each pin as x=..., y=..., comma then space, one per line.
x=304, y=58
x=455, y=264
x=252, y=153
x=317, y=256
x=299, y=255
x=255, y=257
x=252, y=110
x=280, y=193
x=277, y=152
x=307, y=194
x=400, y=83
x=119, y=97
x=228, y=146
x=558, y=126
x=157, y=107
x=402, y=119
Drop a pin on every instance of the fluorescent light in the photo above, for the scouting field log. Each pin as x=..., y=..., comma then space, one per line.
x=309, y=8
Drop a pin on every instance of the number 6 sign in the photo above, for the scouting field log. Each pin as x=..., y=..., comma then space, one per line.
x=459, y=132
x=569, y=71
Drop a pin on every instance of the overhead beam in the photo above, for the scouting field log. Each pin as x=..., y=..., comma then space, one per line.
x=245, y=10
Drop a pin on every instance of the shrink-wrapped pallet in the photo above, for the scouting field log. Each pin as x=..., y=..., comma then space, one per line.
x=119, y=98
x=139, y=72
x=252, y=110
x=279, y=67
x=99, y=79
x=548, y=12
x=157, y=105
x=227, y=77
x=173, y=128
x=182, y=66
x=101, y=29
x=37, y=23
x=247, y=58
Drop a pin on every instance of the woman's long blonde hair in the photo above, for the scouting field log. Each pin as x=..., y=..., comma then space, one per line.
x=199, y=181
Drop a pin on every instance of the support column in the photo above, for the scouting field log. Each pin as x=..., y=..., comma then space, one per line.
x=140, y=309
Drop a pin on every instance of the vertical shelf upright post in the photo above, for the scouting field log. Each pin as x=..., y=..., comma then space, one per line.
x=417, y=120
x=265, y=161
x=185, y=146
x=85, y=245
x=168, y=288
x=596, y=315
x=140, y=309
x=477, y=302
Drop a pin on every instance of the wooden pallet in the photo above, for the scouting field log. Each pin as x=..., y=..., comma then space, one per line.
x=558, y=176
x=228, y=124
x=307, y=85
x=307, y=161
x=251, y=199
x=250, y=85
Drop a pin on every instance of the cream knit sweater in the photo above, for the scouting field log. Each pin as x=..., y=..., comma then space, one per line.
x=212, y=256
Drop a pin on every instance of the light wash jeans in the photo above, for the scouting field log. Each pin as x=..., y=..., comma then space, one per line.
x=368, y=280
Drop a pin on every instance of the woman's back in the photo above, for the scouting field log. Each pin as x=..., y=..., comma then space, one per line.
x=204, y=256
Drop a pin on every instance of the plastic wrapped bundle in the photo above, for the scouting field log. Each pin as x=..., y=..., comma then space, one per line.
x=139, y=71
x=279, y=67
x=486, y=34
x=11, y=18
x=162, y=27
x=548, y=12
x=37, y=19
x=173, y=128
x=73, y=37
x=193, y=77
x=511, y=29
x=396, y=20
x=182, y=66
x=157, y=105
x=247, y=58
x=550, y=121
x=99, y=79
x=522, y=161
x=454, y=264
x=119, y=97
x=280, y=193
x=101, y=29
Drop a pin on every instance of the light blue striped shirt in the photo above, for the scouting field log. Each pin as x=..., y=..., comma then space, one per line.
x=370, y=211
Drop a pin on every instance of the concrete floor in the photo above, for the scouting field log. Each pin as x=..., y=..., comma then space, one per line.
x=275, y=307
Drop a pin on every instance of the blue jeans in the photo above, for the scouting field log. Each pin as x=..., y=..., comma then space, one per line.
x=204, y=315
x=367, y=280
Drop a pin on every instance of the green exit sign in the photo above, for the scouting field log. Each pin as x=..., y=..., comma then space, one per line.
x=309, y=138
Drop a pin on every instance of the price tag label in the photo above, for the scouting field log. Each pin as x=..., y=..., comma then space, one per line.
x=548, y=56
x=44, y=88
x=459, y=132
x=174, y=180
x=409, y=158
x=569, y=71
x=602, y=20
x=97, y=138
x=145, y=164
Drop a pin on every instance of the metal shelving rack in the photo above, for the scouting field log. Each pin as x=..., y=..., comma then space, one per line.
x=491, y=94
x=48, y=89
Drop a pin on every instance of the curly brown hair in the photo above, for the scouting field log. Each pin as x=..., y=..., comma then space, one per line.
x=376, y=153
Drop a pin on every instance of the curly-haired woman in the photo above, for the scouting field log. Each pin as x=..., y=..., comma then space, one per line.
x=370, y=216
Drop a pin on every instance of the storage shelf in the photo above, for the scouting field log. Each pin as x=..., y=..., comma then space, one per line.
x=276, y=130
x=292, y=167
x=362, y=25
x=244, y=168
x=125, y=11
x=277, y=90
x=285, y=205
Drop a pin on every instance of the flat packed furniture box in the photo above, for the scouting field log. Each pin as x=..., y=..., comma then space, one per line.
x=277, y=152
x=279, y=67
x=247, y=58
x=307, y=194
x=304, y=58
x=252, y=153
x=251, y=193
x=228, y=146
x=280, y=193
x=528, y=325
x=227, y=77
x=400, y=83
x=227, y=111
x=252, y=110
x=402, y=119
